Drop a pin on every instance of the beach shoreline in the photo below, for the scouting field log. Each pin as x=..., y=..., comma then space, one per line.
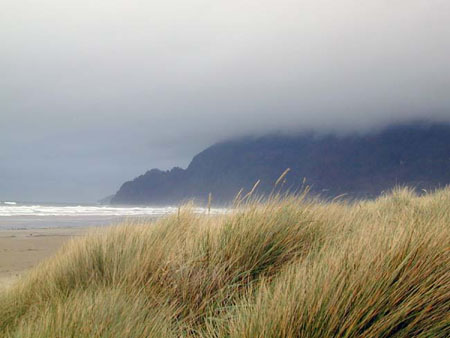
x=23, y=249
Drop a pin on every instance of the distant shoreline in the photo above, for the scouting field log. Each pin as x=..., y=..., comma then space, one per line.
x=56, y=222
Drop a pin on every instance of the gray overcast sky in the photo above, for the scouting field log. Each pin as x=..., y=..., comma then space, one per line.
x=93, y=93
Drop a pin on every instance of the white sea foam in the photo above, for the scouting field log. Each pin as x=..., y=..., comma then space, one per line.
x=10, y=210
x=10, y=203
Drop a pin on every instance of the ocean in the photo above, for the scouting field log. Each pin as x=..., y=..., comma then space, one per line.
x=17, y=215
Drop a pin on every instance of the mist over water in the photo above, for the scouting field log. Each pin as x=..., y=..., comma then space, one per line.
x=93, y=94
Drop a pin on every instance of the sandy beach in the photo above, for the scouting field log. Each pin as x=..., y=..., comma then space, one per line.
x=21, y=250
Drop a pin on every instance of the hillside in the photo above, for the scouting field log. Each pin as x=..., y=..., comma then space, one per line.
x=291, y=267
x=358, y=165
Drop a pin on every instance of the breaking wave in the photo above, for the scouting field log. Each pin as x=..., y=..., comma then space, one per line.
x=9, y=209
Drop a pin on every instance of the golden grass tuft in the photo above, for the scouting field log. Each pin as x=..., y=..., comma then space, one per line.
x=286, y=267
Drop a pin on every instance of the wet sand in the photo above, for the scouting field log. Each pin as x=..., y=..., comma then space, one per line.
x=21, y=250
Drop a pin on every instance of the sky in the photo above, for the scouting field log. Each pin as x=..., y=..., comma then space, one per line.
x=94, y=93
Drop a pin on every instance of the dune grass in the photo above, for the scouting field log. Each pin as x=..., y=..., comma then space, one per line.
x=287, y=267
